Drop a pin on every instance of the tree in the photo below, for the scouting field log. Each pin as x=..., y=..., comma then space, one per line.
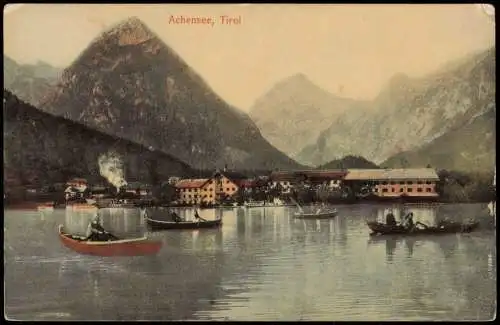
x=166, y=193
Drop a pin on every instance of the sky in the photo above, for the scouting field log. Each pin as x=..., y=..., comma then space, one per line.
x=349, y=50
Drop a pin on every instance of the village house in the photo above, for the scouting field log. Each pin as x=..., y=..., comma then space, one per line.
x=206, y=190
x=416, y=182
x=287, y=179
x=79, y=183
x=138, y=188
x=73, y=193
x=196, y=191
x=284, y=180
x=98, y=191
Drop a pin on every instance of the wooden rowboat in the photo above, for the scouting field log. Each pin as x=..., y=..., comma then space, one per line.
x=321, y=215
x=49, y=206
x=378, y=228
x=161, y=225
x=123, y=247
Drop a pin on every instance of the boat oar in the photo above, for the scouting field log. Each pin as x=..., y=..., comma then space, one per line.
x=111, y=235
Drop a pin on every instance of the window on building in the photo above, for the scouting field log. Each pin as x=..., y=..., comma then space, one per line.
x=409, y=183
x=234, y=189
x=401, y=183
x=428, y=190
x=401, y=190
x=419, y=182
x=210, y=182
x=410, y=189
x=384, y=183
x=210, y=195
x=227, y=181
x=419, y=189
x=384, y=190
x=428, y=182
x=393, y=190
x=227, y=189
x=392, y=182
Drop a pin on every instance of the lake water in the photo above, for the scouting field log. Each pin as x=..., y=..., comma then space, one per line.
x=261, y=265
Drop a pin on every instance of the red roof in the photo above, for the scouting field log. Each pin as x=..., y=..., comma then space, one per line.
x=191, y=183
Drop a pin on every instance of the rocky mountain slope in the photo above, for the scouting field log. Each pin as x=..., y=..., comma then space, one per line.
x=410, y=113
x=39, y=147
x=30, y=82
x=469, y=147
x=294, y=112
x=128, y=83
x=347, y=162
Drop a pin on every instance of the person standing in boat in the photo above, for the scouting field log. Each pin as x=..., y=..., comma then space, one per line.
x=197, y=216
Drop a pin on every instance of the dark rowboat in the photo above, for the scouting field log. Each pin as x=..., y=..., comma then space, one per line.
x=161, y=225
x=123, y=247
x=378, y=228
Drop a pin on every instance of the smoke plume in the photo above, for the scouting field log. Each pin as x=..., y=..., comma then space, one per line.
x=111, y=168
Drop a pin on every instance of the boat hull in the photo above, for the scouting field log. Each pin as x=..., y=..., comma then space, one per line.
x=167, y=225
x=45, y=209
x=315, y=216
x=128, y=247
x=378, y=228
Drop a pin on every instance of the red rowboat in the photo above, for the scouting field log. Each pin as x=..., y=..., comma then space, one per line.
x=123, y=247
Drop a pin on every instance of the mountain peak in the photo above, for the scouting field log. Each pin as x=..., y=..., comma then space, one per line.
x=299, y=75
x=130, y=31
x=131, y=22
x=129, y=79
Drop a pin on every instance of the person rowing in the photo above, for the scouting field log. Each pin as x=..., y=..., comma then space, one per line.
x=197, y=216
x=410, y=225
x=96, y=232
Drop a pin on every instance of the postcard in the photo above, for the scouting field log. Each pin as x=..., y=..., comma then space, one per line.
x=250, y=162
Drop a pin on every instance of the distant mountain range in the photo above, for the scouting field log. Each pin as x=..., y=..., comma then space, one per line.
x=39, y=147
x=128, y=83
x=469, y=147
x=408, y=116
x=131, y=86
x=30, y=82
x=295, y=111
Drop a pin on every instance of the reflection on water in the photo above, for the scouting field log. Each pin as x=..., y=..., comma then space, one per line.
x=261, y=265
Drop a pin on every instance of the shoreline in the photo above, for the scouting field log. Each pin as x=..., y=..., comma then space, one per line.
x=30, y=205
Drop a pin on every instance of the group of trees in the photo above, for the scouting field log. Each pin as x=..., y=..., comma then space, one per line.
x=466, y=187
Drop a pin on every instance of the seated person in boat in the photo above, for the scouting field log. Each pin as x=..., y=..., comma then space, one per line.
x=95, y=231
x=410, y=225
x=408, y=221
x=390, y=220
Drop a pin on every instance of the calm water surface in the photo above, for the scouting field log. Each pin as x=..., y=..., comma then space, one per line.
x=262, y=265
